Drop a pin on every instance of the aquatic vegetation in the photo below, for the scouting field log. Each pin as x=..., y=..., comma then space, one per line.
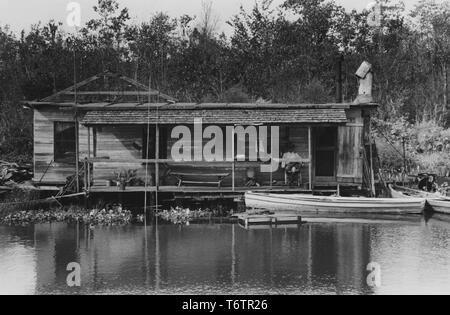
x=106, y=217
x=183, y=216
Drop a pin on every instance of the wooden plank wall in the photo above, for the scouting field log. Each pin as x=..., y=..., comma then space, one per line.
x=118, y=143
x=350, y=142
x=44, y=120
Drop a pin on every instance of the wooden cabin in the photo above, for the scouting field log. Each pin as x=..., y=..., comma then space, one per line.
x=111, y=123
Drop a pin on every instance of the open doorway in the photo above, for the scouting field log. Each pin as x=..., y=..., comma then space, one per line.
x=325, y=144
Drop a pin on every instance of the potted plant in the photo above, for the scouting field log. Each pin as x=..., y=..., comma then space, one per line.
x=124, y=178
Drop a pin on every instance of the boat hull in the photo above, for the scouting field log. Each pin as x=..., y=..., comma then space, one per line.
x=440, y=206
x=316, y=204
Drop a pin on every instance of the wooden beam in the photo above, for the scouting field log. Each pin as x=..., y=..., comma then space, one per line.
x=372, y=175
x=77, y=153
x=87, y=160
x=233, y=165
x=89, y=141
x=138, y=84
x=157, y=157
x=94, y=140
x=113, y=93
x=73, y=87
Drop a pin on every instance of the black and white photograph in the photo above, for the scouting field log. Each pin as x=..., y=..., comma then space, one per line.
x=224, y=153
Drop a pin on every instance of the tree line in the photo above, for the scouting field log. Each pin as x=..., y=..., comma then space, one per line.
x=280, y=54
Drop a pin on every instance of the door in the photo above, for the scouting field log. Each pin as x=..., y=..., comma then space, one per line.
x=350, y=147
x=325, y=142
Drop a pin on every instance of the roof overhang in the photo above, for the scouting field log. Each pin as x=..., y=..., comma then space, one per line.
x=173, y=105
x=218, y=116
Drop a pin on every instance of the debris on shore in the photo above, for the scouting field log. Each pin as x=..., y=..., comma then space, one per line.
x=12, y=174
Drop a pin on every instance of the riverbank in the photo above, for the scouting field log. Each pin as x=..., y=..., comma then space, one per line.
x=111, y=216
x=114, y=215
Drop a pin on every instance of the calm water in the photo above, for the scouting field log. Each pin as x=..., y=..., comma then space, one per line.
x=326, y=256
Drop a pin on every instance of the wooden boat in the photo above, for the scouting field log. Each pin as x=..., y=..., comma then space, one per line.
x=404, y=192
x=437, y=202
x=441, y=205
x=319, y=204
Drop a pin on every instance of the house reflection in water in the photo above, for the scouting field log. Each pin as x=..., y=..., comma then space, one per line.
x=204, y=258
x=226, y=259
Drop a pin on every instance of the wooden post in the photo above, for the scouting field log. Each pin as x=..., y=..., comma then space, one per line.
x=86, y=182
x=372, y=175
x=94, y=140
x=157, y=160
x=310, y=157
x=85, y=174
x=233, y=165
x=77, y=152
x=77, y=135
x=404, y=161
x=271, y=173
x=89, y=141
x=89, y=175
x=88, y=164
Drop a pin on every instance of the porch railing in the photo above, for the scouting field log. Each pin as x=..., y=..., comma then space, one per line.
x=90, y=162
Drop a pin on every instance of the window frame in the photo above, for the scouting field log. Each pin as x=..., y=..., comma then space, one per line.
x=57, y=142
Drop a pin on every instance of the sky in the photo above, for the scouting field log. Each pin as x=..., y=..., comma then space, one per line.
x=20, y=14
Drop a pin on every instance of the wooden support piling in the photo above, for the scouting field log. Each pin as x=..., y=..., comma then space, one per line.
x=77, y=153
x=157, y=157
x=310, y=157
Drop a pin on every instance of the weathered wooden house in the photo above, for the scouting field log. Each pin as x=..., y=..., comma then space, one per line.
x=110, y=123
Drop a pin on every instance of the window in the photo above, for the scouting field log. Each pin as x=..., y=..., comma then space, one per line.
x=149, y=152
x=64, y=142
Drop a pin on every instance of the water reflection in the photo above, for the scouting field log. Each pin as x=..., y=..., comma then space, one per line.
x=327, y=255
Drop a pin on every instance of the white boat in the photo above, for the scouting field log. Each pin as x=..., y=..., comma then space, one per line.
x=404, y=192
x=437, y=202
x=441, y=205
x=319, y=204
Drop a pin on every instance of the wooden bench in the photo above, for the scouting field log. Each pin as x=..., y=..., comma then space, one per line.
x=187, y=178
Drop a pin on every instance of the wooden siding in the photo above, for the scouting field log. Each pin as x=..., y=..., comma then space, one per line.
x=350, y=137
x=45, y=168
x=122, y=143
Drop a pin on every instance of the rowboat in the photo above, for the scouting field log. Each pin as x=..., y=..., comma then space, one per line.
x=441, y=205
x=437, y=202
x=404, y=192
x=320, y=204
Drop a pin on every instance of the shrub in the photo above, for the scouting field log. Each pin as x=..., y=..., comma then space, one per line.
x=427, y=145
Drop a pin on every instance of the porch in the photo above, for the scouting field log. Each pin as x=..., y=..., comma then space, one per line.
x=315, y=149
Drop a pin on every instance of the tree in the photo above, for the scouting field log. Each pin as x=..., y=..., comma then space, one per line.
x=433, y=27
x=107, y=34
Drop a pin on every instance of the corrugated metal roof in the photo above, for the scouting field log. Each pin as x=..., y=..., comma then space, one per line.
x=217, y=116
